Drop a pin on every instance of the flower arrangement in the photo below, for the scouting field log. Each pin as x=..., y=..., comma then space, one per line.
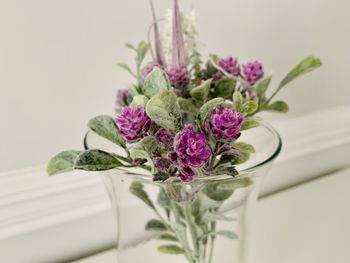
x=181, y=120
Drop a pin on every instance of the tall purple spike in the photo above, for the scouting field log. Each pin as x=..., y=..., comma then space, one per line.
x=179, y=57
x=160, y=59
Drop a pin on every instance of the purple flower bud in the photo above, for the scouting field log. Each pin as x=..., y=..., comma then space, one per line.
x=230, y=65
x=133, y=123
x=123, y=98
x=172, y=157
x=252, y=72
x=186, y=174
x=191, y=148
x=225, y=124
x=178, y=76
x=164, y=137
x=148, y=69
x=162, y=164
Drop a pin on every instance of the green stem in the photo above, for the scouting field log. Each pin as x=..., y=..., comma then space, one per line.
x=181, y=238
x=192, y=227
x=212, y=241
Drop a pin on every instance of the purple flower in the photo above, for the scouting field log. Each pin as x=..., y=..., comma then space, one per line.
x=252, y=72
x=186, y=174
x=230, y=65
x=164, y=137
x=133, y=123
x=148, y=69
x=162, y=164
x=225, y=124
x=178, y=76
x=191, y=148
x=123, y=98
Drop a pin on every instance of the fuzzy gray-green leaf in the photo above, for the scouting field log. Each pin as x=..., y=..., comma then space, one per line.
x=62, y=162
x=200, y=93
x=224, y=88
x=250, y=122
x=96, y=160
x=142, y=49
x=249, y=107
x=139, y=100
x=306, y=65
x=187, y=106
x=126, y=68
x=225, y=233
x=262, y=86
x=155, y=225
x=278, y=106
x=106, y=127
x=164, y=110
x=237, y=99
x=205, y=110
x=156, y=82
x=168, y=237
x=136, y=188
x=171, y=249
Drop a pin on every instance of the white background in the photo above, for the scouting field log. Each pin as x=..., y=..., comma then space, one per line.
x=57, y=59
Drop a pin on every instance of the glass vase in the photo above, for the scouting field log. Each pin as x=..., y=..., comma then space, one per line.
x=205, y=221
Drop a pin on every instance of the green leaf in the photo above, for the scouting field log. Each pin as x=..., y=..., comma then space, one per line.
x=139, y=100
x=62, y=162
x=164, y=110
x=96, y=160
x=279, y=106
x=130, y=46
x=205, y=110
x=155, y=225
x=106, y=127
x=213, y=191
x=236, y=183
x=126, y=67
x=262, y=86
x=224, y=88
x=137, y=189
x=168, y=237
x=171, y=249
x=187, y=106
x=243, y=147
x=244, y=152
x=157, y=81
x=213, y=217
x=145, y=149
x=200, y=93
x=306, y=65
x=250, y=122
x=225, y=233
x=142, y=49
x=163, y=199
x=249, y=107
x=237, y=101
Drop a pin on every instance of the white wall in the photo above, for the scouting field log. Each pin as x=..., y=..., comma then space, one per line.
x=57, y=59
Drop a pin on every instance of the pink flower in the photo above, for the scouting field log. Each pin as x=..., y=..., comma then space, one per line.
x=133, y=123
x=191, y=148
x=224, y=124
x=252, y=72
x=230, y=65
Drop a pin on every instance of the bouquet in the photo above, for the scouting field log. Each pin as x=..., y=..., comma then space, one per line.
x=181, y=122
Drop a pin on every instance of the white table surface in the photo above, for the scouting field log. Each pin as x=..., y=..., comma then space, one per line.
x=309, y=223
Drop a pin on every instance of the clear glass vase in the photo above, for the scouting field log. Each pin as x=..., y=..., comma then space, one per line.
x=205, y=221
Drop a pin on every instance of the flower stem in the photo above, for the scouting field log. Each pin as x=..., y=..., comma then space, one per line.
x=192, y=227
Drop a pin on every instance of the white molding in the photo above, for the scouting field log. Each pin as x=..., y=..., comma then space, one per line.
x=31, y=202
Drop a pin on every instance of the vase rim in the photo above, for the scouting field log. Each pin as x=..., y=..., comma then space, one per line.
x=270, y=158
